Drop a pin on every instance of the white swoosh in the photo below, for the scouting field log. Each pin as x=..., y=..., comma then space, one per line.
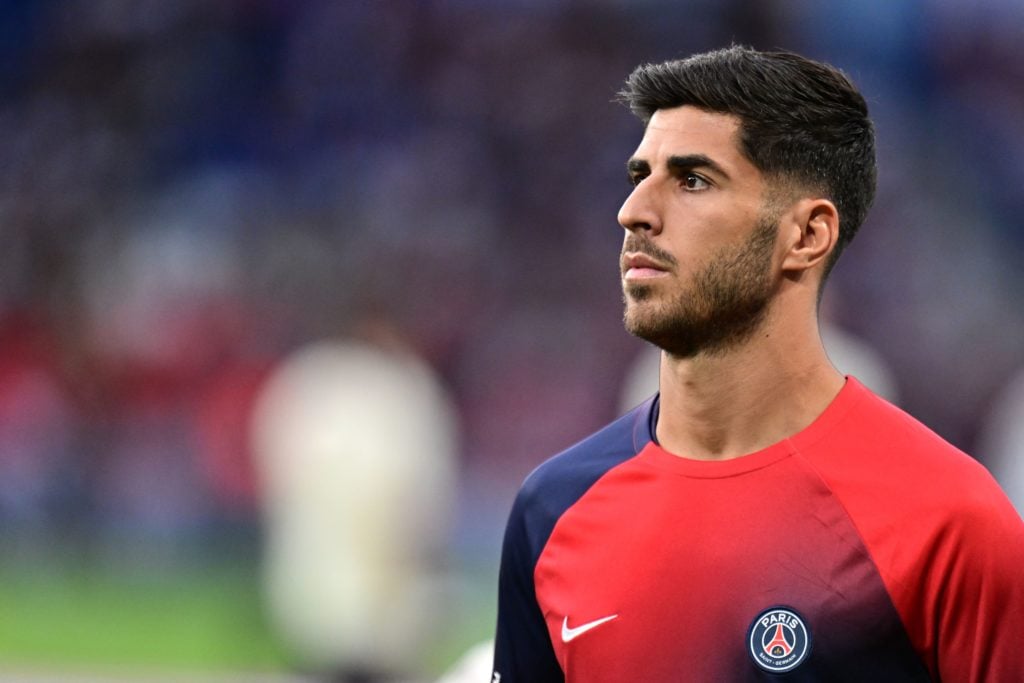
x=571, y=633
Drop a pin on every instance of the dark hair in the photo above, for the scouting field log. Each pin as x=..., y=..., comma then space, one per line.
x=802, y=123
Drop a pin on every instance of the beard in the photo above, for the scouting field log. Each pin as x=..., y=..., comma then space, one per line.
x=723, y=305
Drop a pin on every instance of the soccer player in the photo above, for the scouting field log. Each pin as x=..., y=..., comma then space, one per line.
x=763, y=516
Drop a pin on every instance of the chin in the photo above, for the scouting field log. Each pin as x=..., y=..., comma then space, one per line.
x=641, y=321
x=633, y=290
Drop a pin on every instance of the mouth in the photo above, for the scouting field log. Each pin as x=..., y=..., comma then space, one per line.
x=638, y=266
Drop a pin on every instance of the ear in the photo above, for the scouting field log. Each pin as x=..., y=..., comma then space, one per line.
x=812, y=230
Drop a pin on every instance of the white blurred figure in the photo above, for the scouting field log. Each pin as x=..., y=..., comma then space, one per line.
x=1001, y=442
x=850, y=354
x=355, y=447
x=474, y=666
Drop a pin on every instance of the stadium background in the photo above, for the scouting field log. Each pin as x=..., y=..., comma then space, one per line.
x=192, y=191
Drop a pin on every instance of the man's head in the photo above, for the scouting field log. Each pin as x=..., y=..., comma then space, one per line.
x=754, y=170
x=802, y=123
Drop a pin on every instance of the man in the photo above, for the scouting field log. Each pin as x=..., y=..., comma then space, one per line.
x=762, y=516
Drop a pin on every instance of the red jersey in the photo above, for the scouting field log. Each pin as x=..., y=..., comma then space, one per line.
x=862, y=548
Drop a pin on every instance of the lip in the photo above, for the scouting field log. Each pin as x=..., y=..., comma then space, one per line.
x=636, y=265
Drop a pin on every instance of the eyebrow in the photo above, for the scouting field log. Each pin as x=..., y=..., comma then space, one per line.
x=679, y=164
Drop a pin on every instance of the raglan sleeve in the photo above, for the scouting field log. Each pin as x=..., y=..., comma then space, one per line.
x=523, y=652
x=980, y=625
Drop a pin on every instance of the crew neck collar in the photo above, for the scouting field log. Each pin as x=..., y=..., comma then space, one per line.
x=848, y=396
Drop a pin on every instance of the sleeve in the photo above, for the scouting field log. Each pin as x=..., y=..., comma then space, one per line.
x=980, y=620
x=523, y=652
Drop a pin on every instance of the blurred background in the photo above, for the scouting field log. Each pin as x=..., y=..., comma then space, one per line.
x=293, y=294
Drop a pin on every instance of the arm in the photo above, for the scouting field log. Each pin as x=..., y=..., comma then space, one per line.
x=980, y=619
x=523, y=651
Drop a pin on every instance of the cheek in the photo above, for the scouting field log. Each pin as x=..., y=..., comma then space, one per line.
x=710, y=228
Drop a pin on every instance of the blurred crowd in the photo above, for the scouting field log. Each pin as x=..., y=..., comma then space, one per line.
x=193, y=192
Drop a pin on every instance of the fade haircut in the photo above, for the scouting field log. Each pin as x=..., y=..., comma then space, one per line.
x=803, y=124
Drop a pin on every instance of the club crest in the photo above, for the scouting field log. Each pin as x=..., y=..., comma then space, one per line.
x=779, y=640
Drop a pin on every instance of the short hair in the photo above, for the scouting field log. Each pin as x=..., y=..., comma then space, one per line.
x=802, y=123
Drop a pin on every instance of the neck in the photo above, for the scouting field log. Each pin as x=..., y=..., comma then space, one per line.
x=735, y=402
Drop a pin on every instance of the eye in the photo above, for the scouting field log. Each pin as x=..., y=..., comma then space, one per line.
x=692, y=181
x=635, y=178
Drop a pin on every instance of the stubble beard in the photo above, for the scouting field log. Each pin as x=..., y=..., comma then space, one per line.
x=724, y=305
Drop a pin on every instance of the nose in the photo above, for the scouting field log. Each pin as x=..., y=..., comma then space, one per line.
x=638, y=213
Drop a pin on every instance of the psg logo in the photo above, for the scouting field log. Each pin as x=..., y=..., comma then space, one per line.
x=779, y=640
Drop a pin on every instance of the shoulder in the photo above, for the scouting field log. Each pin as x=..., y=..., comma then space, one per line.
x=944, y=538
x=554, y=486
x=878, y=441
x=904, y=485
x=570, y=473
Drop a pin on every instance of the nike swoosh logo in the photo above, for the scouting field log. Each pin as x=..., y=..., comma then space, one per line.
x=573, y=633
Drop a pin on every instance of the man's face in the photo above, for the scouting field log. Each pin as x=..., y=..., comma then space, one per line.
x=696, y=258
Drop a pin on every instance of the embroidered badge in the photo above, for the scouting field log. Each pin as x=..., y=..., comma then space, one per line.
x=779, y=640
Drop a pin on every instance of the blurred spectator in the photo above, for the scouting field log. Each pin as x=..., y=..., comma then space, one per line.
x=355, y=446
x=38, y=426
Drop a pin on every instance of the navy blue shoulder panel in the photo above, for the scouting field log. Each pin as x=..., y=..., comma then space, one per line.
x=522, y=649
x=558, y=483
